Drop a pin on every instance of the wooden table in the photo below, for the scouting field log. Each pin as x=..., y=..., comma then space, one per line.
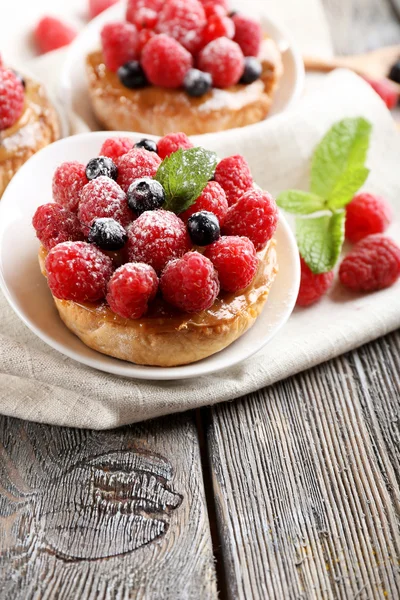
x=288, y=493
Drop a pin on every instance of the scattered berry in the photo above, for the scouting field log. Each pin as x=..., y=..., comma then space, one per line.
x=145, y=35
x=183, y=20
x=252, y=70
x=312, y=287
x=136, y=164
x=130, y=290
x=98, y=6
x=234, y=176
x=255, y=216
x=145, y=194
x=103, y=197
x=190, y=283
x=149, y=145
x=51, y=33
x=116, y=147
x=218, y=26
x=120, y=43
x=366, y=214
x=69, y=180
x=157, y=237
x=212, y=199
x=197, y=83
x=373, y=264
x=203, y=228
x=236, y=261
x=107, y=234
x=11, y=98
x=132, y=76
x=394, y=73
x=385, y=90
x=135, y=6
x=224, y=60
x=101, y=166
x=172, y=143
x=78, y=271
x=248, y=34
x=55, y=224
x=166, y=62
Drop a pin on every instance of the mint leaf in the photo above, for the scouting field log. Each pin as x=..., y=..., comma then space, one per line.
x=300, y=203
x=320, y=240
x=184, y=175
x=346, y=188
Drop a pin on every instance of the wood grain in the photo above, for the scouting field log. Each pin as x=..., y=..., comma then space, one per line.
x=88, y=515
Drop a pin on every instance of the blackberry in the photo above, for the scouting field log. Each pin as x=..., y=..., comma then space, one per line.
x=203, y=228
x=145, y=194
x=101, y=166
x=107, y=234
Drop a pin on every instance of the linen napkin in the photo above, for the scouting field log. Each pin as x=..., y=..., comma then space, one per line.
x=39, y=384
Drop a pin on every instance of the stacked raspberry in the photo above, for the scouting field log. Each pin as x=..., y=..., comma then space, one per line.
x=183, y=43
x=12, y=97
x=110, y=237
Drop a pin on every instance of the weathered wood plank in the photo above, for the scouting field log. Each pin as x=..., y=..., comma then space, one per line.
x=90, y=515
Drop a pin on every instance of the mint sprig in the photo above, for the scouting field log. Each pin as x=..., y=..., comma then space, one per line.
x=320, y=239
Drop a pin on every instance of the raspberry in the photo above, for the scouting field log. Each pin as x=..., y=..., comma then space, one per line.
x=11, y=98
x=116, y=147
x=254, y=216
x=248, y=35
x=234, y=176
x=130, y=290
x=236, y=261
x=145, y=35
x=136, y=164
x=120, y=42
x=218, y=26
x=312, y=287
x=165, y=62
x=190, y=283
x=212, y=199
x=98, y=6
x=102, y=197
x=183, y=20
x=172, y=143
x=224, y=60
x=366, y=214
x=69, y=180
x=385, y=90
x=212, y=9
x=51, y=33
x=157, y=237
x=221, y=3
x=55, y=224
x=145, y=18
x=78, y=271
x=134, y=6
x=373, y=264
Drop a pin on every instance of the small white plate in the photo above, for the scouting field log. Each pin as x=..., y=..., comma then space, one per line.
x=26, y=289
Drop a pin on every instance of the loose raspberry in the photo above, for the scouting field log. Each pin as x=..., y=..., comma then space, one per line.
x=136, y=164
x=98, y=6
x=12, y=97
x=55, y=224
x=120, y=42
x=130, y=290
x=51, y=33
x=248, y=35
x=145, y=35
x=78, y=271
x=236, y=261
x=312, y=287
x=69, y=180
x=172, y=143
x=165, y=62
x=234, y=176
x=385, y=90
x=190, y=283
x=103, y=197
x=254, y=216
x=134, y=6
x=116, y=147
x=218, y=26
x=373, y=264
x=224, y=60
x=212, y=199
x=183, y=20
x=157, y=237
x=366, y=214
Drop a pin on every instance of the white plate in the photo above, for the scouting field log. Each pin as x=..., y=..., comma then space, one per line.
x=74, y=88
x=26, y=289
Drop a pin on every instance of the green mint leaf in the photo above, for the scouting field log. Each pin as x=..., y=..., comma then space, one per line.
x=184, y=175
x=346, y=188
x=341, y=152
x=320, y=240
x=300, y=203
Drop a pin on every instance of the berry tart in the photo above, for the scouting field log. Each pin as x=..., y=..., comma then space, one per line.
x=28, y=122
x=185, y=65
x=157, y=253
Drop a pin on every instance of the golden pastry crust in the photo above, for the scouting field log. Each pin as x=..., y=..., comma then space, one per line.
x=160, y=111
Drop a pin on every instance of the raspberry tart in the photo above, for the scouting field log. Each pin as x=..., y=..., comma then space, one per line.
x=152, y=259
x=182, y=65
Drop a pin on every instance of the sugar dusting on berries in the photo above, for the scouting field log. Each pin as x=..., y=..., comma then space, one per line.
x=55, y=224
x=103, y=197
x=212, y=199
x=183, y=20
x=236, y=261
x=224, y=60
x=12, y=97
x=68, y=182
x=130, y=290
x=234, y=176
x=172, y=143
x=135, y=164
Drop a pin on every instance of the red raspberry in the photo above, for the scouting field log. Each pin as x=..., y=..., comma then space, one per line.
x=385, y=90
x=157, y=237
x=55, y=224
x=312, y=287
x=222, y=3
x=78, y=271
x=234, y=176
x=190, y=283
x=12, y=97
x=145, y=35
x=366, y=214
x=135, y=164
x=145, y=18
x=224, y=60
x=98, y=6
x=130, y=290
x=102, y=197
x=116, y=147
x=172, y=143
x=236, y=261
x=373, y=264
x=254, y=216
x=248, y=35
x=165, y=62
x=51, y=33
x=120, y=42
x=183, y=20
x=69, y=180
x=134, y=6
x=212, y=199
x=212, y=9
x=218, y=26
